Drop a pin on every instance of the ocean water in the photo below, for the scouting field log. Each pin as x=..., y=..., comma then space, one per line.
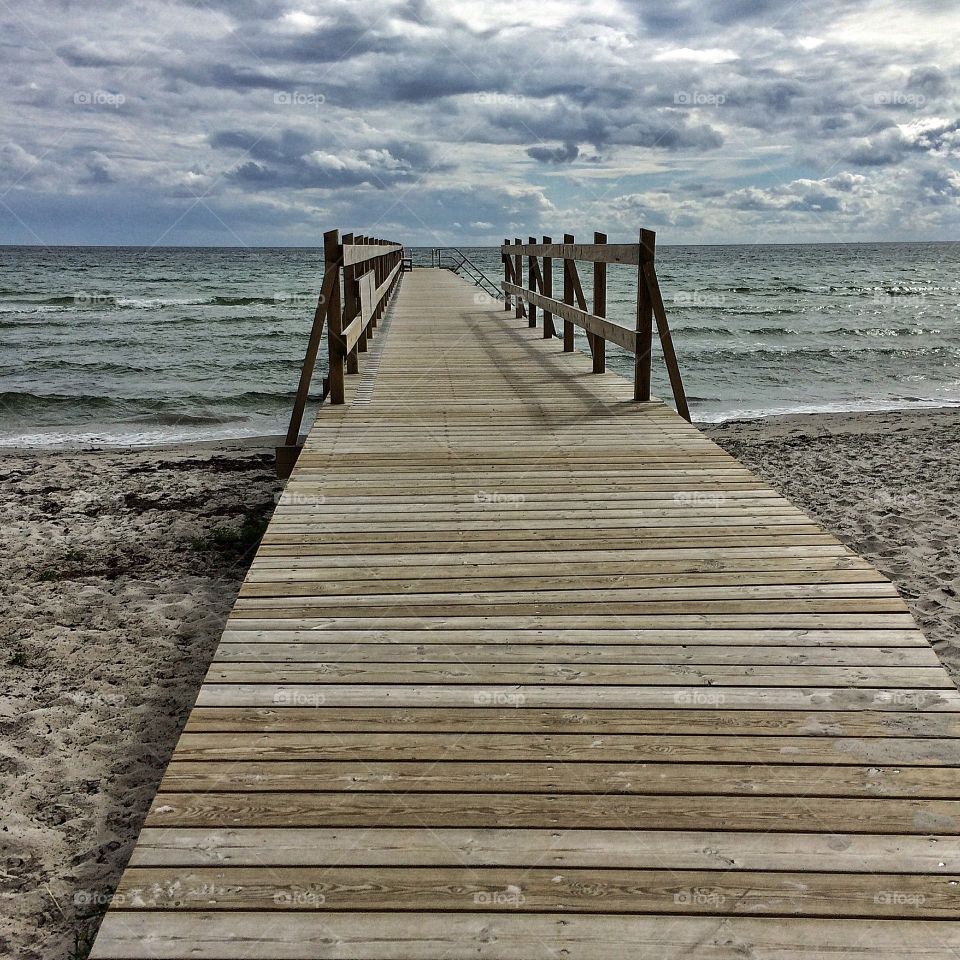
x=107, y=344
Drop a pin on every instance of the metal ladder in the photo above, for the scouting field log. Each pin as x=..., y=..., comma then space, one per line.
x=453, y=258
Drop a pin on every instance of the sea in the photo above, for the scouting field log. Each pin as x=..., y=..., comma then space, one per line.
x=121, y=345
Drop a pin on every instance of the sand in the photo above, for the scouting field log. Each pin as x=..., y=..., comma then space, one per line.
x=113, y=602
x=115, y=593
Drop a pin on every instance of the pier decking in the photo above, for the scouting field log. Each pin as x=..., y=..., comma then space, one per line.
x=524, y=669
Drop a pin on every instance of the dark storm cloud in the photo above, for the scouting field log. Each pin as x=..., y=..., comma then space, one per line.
x=295, y=159
x=563, y=154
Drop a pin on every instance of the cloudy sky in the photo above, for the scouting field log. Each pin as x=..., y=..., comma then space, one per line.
x=245, y=122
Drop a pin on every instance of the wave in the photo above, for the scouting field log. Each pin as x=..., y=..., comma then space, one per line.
x=189, y=408
x=682, y=331
x=86, y=299
x=852, y=354
x=735, y=331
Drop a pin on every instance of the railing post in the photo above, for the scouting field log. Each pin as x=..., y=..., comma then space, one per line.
x=568, y=296
x=518, y=276
x=333, y=257
x=374, y=265
x=507, y=274
x=642, y=361
x=368, y=265
x=362, y=342
x=351, y=307
x=548, y=328
x=532, y=284
x=599, y=307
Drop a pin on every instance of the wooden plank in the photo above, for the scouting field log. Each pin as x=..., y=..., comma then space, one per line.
x=889, y=815
x=501, y=935
x=600, y=849
x=694, y=696
x=572, y=748
x=463, y=890
x=719, y=720
x=648, y=778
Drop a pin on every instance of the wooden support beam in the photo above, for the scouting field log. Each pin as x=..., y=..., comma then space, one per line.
x=508, y=276
x=598, y=344
x=362, y=342
x=546, y=288
x=351, y=306
x=641, y=367
x=666, y=340
x=567, y=296
x=532, y=271
x=310, y=358
x=333, y=257
x=518, y=278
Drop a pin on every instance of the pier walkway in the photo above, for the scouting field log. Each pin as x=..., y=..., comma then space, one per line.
x=527, y=670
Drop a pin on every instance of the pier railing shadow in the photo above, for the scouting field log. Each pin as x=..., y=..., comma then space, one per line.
x=573, y=311
x=360, y=276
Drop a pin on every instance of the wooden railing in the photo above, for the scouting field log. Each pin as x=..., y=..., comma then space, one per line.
x=573, y=309
x=360, y=276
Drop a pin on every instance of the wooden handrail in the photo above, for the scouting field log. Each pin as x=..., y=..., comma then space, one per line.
x=370, y=270
x=594, y=252
x=573, y=309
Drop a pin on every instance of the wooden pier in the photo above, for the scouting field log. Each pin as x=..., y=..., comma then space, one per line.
x=526, y=669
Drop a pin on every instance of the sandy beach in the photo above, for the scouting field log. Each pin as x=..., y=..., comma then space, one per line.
x=120, y=566
x=118, y=571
